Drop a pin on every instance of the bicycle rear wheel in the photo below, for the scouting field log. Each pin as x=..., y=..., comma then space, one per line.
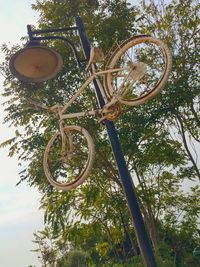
x=143, y=64
x=66, y=169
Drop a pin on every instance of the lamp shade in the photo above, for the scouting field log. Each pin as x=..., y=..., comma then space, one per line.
x=35, y=64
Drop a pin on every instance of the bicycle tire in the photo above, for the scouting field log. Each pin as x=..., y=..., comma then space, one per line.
x=52, y=151
x=118, y=57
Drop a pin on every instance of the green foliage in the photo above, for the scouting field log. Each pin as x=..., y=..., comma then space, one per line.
x=73, y=259
x=158, y=140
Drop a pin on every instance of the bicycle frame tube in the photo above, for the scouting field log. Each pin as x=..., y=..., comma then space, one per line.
x=66, y=151
x=82, y=114
x=63, y=137
x=81, y=89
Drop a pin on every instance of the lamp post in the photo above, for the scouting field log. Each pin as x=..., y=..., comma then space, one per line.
x=45, y=65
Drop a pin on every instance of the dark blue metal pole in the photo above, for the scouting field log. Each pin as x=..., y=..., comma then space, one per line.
x=127, y=183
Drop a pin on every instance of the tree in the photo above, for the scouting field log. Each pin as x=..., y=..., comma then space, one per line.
x=155, y=139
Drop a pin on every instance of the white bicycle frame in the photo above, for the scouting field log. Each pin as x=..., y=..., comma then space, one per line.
x=95, y=73
x=60, y=110
x=117, y=83
x=109, y=103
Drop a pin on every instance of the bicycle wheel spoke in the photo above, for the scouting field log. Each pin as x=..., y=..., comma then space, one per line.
x=145, y=63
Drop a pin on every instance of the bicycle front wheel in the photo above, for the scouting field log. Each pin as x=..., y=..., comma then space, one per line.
x=67, y=165
x=142, y=66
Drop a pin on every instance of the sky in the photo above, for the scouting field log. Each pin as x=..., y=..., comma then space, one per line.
x=19, y=205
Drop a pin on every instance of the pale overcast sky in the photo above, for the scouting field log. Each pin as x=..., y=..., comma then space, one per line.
x=19, y=206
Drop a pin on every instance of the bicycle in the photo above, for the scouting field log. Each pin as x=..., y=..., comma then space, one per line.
x=136, y=71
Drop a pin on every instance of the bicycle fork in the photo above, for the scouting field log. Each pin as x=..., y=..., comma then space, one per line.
x=67, y=147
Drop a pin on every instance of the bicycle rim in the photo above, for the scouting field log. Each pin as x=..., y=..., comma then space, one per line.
x=66, y=169
x=145, y=64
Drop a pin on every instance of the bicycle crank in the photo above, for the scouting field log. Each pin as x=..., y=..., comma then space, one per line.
x=112, y=112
